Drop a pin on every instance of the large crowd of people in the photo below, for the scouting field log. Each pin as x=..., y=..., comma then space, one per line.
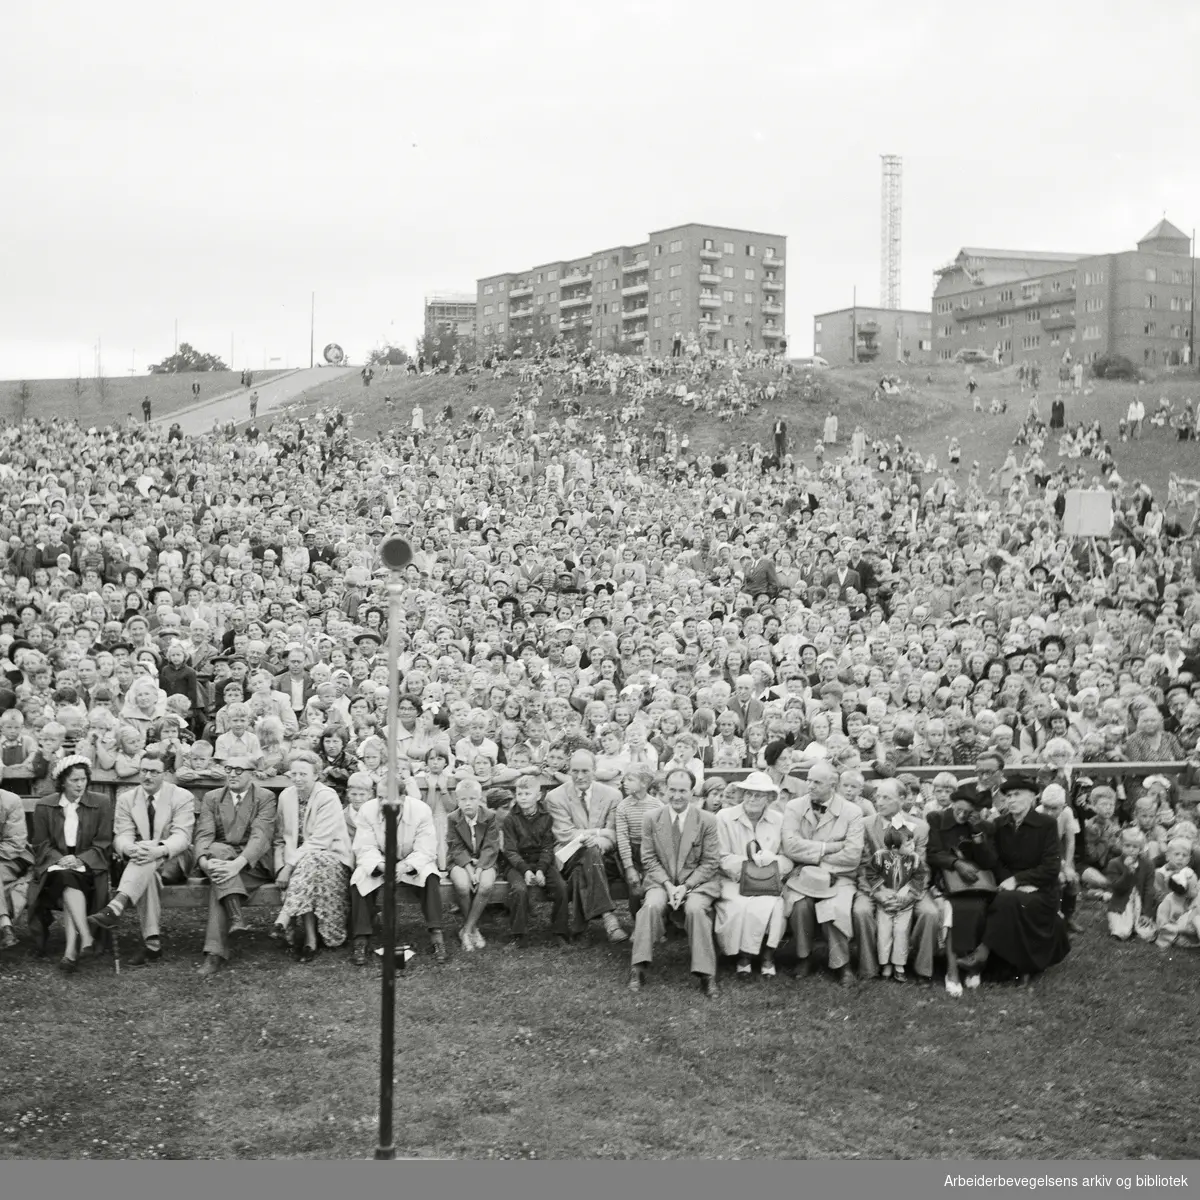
x=692, y=687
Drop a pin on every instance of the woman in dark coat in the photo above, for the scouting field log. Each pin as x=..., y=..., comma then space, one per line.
x=960, y=847
x=72, y=846
x=1024, y=927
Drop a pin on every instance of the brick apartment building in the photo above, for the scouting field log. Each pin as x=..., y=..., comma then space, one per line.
x=1030, y=306
x=725, y=286
x=873, y=335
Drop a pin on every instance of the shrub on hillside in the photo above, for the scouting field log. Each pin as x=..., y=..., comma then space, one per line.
x=1114, y=366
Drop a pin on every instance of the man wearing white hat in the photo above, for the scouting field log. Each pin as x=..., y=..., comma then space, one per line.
x=823, y=836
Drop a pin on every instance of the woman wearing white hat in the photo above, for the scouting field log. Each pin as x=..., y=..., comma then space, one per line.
x=749, y=913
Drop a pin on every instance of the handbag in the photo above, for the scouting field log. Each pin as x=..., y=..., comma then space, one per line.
x=759, y=881
x=953, y=884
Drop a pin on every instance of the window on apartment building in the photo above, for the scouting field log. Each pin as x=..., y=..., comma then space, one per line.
x=657, y=345
x=817, y=327
x=657, y=250
x=1006, y=295
x=982, y=326
x=553, y=297
x=1151, y=274
x=500, y=306
x=729, y=318
x=613, y=285
x=499, y=326
x=658, y=297
x=1054, y=339
x=946, y=355
x=1007, y=347
x=925, y=344
x=540, y=300
x=1176, y=303
x=658, y=322
x=487, y=328
x=487, y=310
x=727, y=272
x=487, y=289
x=675, y=246
x=750, y=251
x=750, y=273
x=675, y=271
x=816, y=347
x=1033, y=316
x=657, y=273
x=1149, y=329
x=676, y=318
x=727, y=296
x=1151, y=300
x=551, y=276
x=709, y=244
x=675, y=294
x=768, y=252
x=747, y=297
x=727, y=248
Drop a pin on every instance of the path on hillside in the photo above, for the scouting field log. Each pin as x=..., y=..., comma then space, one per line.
x=236, y=405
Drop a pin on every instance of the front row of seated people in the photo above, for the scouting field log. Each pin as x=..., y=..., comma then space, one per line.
x=981, y=875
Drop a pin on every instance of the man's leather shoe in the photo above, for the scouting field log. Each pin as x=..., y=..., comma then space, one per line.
x=359, y=956
x=142, y=954
x=846, y=977
x=439, y=947
x=106, y=918
x=211, y=965
x=238, y=926
x=8, y=938
x=708, y=985
x=637, y=977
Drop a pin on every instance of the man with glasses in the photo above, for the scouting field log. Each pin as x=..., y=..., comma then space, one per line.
x=152, y=832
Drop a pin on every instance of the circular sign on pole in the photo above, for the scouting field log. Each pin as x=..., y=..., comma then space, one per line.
x=334, y=355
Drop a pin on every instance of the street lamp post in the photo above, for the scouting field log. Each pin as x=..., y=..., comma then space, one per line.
x=396, y=554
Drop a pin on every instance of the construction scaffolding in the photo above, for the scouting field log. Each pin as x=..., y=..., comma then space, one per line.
x=889, y=250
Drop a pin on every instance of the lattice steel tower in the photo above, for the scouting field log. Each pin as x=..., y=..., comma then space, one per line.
x=889, y=250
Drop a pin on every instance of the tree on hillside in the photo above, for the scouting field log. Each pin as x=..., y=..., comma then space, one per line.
x=23, y=393
x=185, y=359
x=387, y=355
x=447, y=343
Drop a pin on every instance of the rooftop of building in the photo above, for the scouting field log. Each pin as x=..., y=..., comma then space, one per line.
x=451, y=298
x=871, y=308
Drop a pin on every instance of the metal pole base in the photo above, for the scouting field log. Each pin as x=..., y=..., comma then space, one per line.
x=385, y=1153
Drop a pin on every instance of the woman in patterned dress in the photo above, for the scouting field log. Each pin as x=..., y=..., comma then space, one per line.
x=313, y=860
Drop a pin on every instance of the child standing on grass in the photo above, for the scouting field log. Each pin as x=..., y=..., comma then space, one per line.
x=1130, y=877
x=1177, y=889
x=1054, y=804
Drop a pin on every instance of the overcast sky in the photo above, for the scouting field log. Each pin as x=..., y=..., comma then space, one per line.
x=217, y=167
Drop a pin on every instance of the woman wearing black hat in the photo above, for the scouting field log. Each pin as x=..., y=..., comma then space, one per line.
x=1024, y=927
x=964, y=860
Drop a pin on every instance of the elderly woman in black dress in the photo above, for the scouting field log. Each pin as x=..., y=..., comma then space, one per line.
x=1024, y=927
x=72, y=848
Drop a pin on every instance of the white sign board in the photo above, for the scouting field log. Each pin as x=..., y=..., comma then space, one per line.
x=1088, y=514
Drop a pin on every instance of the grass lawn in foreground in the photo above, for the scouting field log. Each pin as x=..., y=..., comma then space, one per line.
x=543, y=1053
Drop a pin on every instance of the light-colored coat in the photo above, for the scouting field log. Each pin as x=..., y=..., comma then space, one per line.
x=416, y=845
x=805, y=830
x=324, y=827
x=14, y=832
x=699, y=861
x=571, y=816
x=174, y=820
x=736, y=831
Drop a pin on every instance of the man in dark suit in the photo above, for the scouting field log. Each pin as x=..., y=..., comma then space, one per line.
x=842, y=579
x=235, y=834
x=681, y=859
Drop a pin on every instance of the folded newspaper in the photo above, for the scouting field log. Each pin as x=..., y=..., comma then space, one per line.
x=564, y=854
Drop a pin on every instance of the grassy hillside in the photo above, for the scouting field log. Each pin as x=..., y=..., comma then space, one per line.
x=87, y=400
x=933, y=407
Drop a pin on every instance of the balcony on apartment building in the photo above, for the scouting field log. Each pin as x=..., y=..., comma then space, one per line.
x=1066, y=321
x=575, y=323
x=638, y=264
x=575, y=301
x=635, y=314
x=770, y=333
x=708, y=325
x=518, y=290
x=771, y=263
x=711, y=278
x=771, y=309
x=772, y=285
x=865, y=328
x=711, y=254
x=517, y=314
x=707, y=301
x=638, y=335
x=636, y=289
x=576, y=280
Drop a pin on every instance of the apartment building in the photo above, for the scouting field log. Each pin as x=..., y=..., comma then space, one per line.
x=723, y=287
x=450, y=310
x=1023, y=306
x=873, y=335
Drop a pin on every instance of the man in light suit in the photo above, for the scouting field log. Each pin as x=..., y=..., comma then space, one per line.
x=823, y=836
x=15, y=860
x=583, y=815
x=152, y=832
x=926, y=917
x=842, y=579
x=416, y=868
x=681, y=857
x=234, y=847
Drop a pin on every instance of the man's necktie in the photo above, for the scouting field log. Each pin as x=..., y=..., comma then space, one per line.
x=676, y=835
x=150, y=815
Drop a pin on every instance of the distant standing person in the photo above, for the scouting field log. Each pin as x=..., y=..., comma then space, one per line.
x=780, y=432
x=146, y=410
x=196, y=389
x=831, y=429
x=253, y=405
x=677, y=345
x=418, y=420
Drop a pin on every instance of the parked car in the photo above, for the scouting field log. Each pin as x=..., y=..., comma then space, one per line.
x=972, y=356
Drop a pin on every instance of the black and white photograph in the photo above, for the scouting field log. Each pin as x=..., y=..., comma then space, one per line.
x=601, y=584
